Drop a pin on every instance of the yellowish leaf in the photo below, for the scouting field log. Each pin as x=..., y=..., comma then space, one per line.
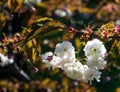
x=65, y=83
x=44, y=29
x=29, y=44
x=2, y=20
x=109, y=28
x=34, y=42
x=118, y=45
x=3, y=83
x=87, y=10
x=92, y=89
x=67, y=36
x=33, y=54
x=38, y=48
x=43, y=19
x=43, y=5
x=117, y=1
x=14, y=4
x=53, y=85
x=117, y=89
x=45, y=82
x=77, y=43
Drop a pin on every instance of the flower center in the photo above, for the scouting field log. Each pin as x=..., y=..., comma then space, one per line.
x=49, y=58
x=94, y=49
x=65, y=49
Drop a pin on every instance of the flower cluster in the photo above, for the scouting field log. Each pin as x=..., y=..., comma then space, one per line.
x=4, y=60
x=64, y=58
x=95, y=52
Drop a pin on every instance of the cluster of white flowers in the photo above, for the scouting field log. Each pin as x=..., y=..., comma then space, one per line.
x=95, y=52
x=4, y=60
x=64, y=58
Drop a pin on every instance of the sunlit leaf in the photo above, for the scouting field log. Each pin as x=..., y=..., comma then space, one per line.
x=87, y=10
x=3, y=83
x=113, y=45
x=44, y=29
x=43, y=19
x=92, y=89
x=118, y=46
x=77, y=43
x=109, y=28
x=2, y=20
x=30, y=44
x=67, y=35
x=42, y=5
x=51, y=27
x=53, y=33
x=14, y=4
x=46, y=81
x=38, y=48
x=40, y=22
x=2, y=2
x=118, y=89
x=34, y=54
x=53, y=85
x=117, y=1
x=65, y=82
x=32, y=50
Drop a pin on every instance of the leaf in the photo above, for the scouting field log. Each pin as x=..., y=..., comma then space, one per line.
x=32, y=49
x=117, y=1
x=34, y=54
x=49, y=27
x=2, y=2
x=30, y=44
x=14, y=4
x=53, y=34
x=67, y=36
x=2, y=20
x=65, y=83
x=38, y=48
x=40, y=22
x=45, y=82
x=42, y=5
x=43, y=19
x=118, y=46
x=109, y=28
x=53, y=85
x=77, y=43
x=44, y=29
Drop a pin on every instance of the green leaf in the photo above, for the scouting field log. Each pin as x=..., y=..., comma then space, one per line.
x=51, y=25
x=40, y=22
x=53, y=34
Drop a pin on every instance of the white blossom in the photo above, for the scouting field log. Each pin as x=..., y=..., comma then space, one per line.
x=10, y=60
x=4, y=60
x=51, y=60
x=90, y=74
x=66, y=51
x=96, y=62
x=47, y=58
x=32, y=1
x=117, y=22
x=60, y=13
x=64, y=58
x=94, y=48
x=73, y=70
x=56, y=62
